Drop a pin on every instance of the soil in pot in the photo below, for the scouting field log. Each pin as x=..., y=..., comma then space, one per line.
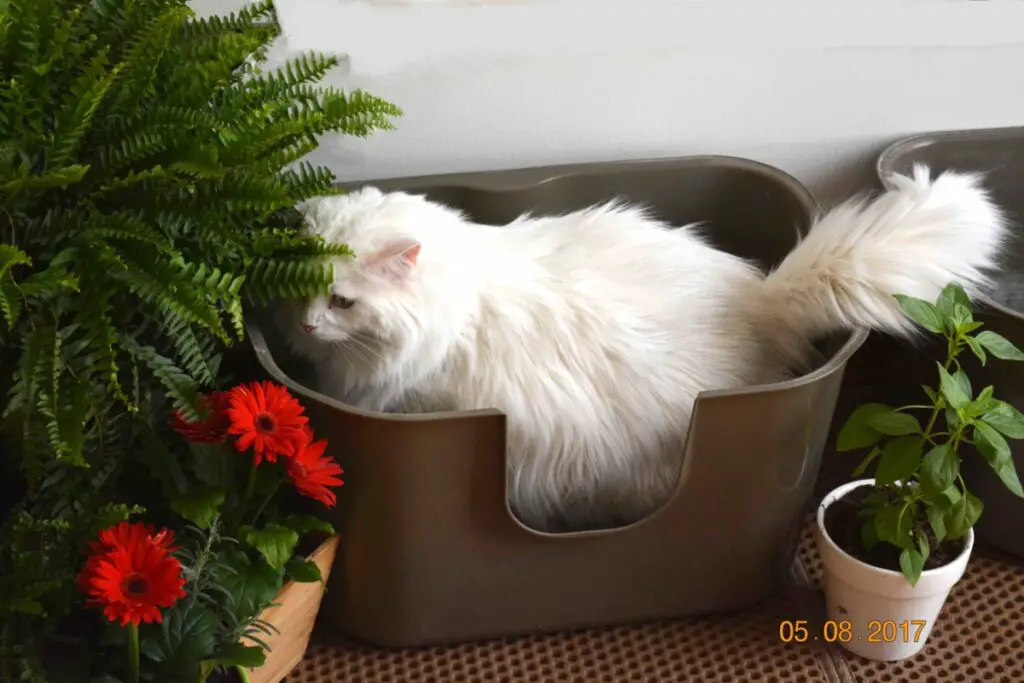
x=844, y=523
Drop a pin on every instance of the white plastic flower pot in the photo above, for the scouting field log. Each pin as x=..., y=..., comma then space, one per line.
x=876, y=613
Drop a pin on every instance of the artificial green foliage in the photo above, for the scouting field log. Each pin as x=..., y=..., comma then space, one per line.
x=919, y=492
x=149, y=170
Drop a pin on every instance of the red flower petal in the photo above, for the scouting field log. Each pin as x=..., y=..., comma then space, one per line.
x=265, y=417
x=212, y=428
x=132, y=575
x=312, y=472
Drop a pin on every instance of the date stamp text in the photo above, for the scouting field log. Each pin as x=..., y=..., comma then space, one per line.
x=801, y=631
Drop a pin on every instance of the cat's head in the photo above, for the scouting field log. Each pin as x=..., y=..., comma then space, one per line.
x=385, y=296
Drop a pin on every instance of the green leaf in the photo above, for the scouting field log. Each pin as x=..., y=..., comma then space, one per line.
x=977, y=349
x=921, y=312
x=899, y=460
x=952, y=496
x=996, y=451
x=962, y=515
x=857, y=433
x=275, y=542
x=863, y=466
x=307, y=524
x=952, y=390
x=894, y=423
x=911, y=564
x=252, y=586
x=922, y=545
x=964, y=382
x=207, y=461
x=200, y=507
x=236, y=654
x=985, y=398
x=1006, y=419
x=961, y=318
x=302, y=570
x=979, y=405
x=952, y=295
x=893, y=525
x=936, y=518
x=991, y=444
x=939, y=468
x=952, y=419
x=186, y=637
x=999, y=346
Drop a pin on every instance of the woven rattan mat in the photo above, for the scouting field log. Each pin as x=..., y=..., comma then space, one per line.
x=979, y=638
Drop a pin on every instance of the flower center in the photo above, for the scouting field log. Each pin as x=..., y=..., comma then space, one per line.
x=265, y=423
x=134, y=585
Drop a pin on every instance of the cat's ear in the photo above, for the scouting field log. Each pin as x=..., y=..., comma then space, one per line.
x=395, y=260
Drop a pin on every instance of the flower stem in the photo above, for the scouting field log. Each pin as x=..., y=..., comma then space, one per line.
x=133, y=652
x=250, y=485
x=263, y=505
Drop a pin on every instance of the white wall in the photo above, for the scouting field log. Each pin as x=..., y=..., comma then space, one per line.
x=814, y=88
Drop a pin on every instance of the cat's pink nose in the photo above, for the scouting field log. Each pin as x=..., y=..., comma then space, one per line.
x=308, y=328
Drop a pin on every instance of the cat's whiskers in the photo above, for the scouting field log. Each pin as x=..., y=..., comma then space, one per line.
x=361, y=349
x=369, y=348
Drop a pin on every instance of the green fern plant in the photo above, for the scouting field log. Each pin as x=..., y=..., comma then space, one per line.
x=148, y=172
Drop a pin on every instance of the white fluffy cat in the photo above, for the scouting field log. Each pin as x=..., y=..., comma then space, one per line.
x=595, y=331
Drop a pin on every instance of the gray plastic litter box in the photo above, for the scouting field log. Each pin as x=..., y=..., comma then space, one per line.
x=429, y=551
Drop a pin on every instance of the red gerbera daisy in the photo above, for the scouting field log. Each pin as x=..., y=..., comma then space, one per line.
x=266, y=417
x=130, y=534
x=132, y=575
x=213, y=428
x=312, y=471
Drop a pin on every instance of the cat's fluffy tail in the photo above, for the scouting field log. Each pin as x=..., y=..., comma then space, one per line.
x=914, y=239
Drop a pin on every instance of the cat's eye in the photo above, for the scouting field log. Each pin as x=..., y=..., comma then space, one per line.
x=341, y=301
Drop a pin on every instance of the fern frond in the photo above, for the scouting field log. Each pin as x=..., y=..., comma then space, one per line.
x=50, y=283
x=124, y=226
x=190, y=351
x=47, y=374
x=78, y=109
x=142, y=56
x=223, y=287
x=300, y=70
x=161, y=117
x=10, y=304
x=307, y=180
x=235, y=22
x=94, y=315
x=132, y=180
x=243, y=192
x=132, y=149
x=181, y=388
x=277, y=278
x=170, y=287
x=60, y=177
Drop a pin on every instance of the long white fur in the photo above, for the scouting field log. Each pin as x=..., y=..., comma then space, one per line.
x=595, y=331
